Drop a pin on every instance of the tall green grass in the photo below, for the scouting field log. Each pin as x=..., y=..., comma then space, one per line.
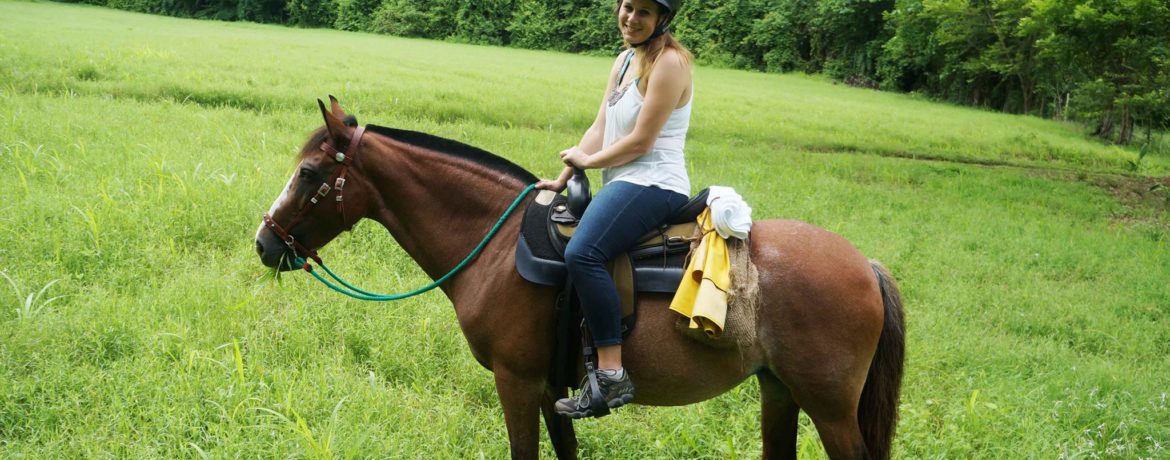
x=138, y=153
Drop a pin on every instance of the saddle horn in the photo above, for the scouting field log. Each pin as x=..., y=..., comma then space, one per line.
x=578, y=193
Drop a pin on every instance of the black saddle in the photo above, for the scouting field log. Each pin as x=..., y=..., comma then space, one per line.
x=657, y=260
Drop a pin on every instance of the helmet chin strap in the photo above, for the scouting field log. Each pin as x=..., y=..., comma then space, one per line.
x=658, y=31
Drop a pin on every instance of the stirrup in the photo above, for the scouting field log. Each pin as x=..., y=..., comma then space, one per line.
x=598, y=406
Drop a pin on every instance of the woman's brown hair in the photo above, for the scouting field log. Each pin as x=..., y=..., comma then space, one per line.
x=648, y=53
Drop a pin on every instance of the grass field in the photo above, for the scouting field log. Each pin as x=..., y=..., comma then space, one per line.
x=138, y=153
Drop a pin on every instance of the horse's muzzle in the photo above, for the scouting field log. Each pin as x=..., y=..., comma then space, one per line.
x=273, y=253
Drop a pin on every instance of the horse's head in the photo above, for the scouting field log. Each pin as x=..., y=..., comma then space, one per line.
x=324, y=196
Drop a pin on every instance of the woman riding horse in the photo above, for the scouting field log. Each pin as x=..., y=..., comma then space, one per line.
x=829, y=330
x=637, y=139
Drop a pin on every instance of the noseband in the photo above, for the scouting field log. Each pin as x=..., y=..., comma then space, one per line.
x=338, y=179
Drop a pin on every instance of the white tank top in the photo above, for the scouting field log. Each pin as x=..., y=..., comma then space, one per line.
x=663, y=165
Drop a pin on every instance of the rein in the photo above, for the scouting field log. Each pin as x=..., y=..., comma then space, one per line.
x=338, y=179
x=357, y=293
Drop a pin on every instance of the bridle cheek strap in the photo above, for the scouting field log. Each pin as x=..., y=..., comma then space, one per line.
x=338, y=181
x=345, y=159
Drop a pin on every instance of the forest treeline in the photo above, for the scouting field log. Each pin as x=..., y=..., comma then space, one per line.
x=1103, y=62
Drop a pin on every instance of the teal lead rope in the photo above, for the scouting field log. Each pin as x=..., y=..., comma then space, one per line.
x=358, y=293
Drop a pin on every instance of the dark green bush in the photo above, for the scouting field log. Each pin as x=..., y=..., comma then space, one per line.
x=403, y=18
x=355, y=15
x=312, y=13
x=484, y=21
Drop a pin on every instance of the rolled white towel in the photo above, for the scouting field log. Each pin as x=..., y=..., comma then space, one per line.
x=731, y=216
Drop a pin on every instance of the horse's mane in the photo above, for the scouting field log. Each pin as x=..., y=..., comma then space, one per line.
x=458, y=149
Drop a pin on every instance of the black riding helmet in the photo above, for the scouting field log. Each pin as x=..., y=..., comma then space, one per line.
x=671, y=7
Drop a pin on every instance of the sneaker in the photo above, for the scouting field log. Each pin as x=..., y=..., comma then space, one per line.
x=615, y=387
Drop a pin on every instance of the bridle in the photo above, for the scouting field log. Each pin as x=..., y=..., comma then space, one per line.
x=337, y=179
x=301, y=252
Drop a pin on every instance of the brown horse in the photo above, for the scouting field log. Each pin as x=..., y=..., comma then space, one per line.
x=830, y=332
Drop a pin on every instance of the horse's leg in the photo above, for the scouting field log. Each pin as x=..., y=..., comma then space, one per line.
x=521, y=400
x=830, y=398
x=831, y=403
x=560, y=428
x=841, y=437
x=778, y=417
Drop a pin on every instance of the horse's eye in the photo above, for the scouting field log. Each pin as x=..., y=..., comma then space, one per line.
x=306, y=173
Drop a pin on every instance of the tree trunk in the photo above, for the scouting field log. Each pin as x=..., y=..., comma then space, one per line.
x=1027, y=88
x=1105, y=127
x=1149, y=133
x=1125, y=134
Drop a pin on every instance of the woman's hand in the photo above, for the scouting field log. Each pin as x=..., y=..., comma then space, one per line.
x=554, y=185
x=559, y=183
x=574, y=156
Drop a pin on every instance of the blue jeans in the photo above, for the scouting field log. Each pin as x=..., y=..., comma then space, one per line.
x=615, y=219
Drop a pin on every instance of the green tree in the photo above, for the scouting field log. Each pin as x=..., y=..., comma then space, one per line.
x=311, y=13
x=784, y=38
x=720, y=31
x=355, y=15
x=1121, y=48
x=848, y=36
x=484, y=21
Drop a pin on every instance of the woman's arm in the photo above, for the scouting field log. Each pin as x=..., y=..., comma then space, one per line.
x=592, y=139
x=559, y=184
x=668, y=83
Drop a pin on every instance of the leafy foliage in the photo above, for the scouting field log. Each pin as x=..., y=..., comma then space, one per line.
x=1104, y=62
x=311, y=13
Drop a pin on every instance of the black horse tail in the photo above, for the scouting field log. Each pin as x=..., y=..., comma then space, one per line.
x=877, y=413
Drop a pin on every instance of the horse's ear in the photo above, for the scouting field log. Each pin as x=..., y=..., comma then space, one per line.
x=336, y=108
x=338, y=135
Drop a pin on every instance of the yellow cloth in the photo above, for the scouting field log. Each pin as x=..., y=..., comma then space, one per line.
x=702, y=295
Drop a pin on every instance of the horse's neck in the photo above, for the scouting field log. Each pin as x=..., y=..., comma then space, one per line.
x=437, y=206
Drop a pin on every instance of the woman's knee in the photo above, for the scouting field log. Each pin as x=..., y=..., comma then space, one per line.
x=580, y=256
